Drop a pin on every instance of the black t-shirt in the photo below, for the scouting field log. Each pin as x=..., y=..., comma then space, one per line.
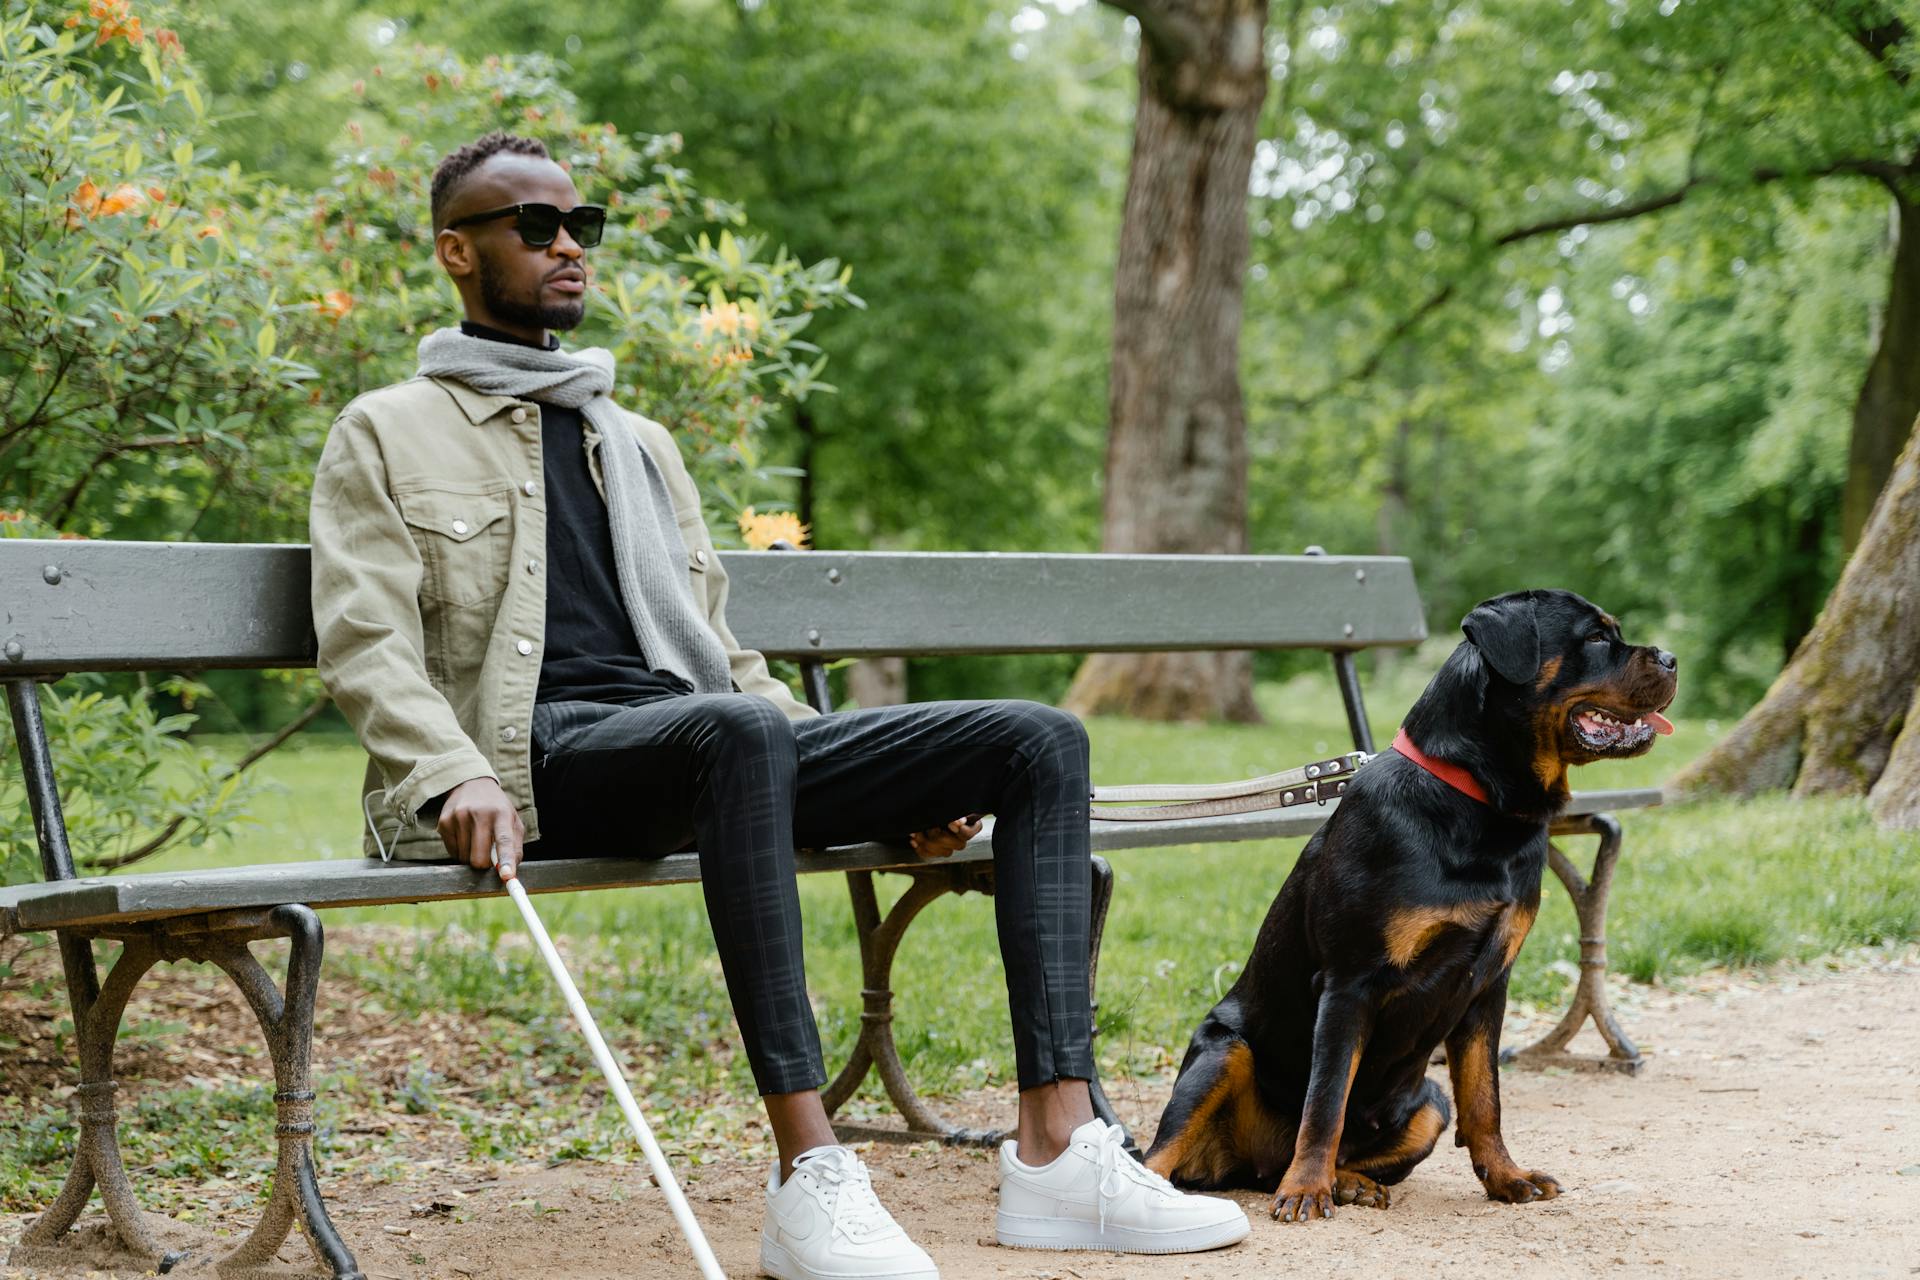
x=591, y=652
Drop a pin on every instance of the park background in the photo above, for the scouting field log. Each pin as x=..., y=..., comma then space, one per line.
x=1620, y=296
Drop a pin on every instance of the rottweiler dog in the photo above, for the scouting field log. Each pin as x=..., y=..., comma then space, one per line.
x=1397, y=928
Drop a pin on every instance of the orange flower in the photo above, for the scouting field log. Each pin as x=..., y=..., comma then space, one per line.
x=433, y=83
x=762, y=531
x=208, y=230
x=383, y=178
x=86, y=197
x=335, y=304
x=169, y=41
x=124, y=197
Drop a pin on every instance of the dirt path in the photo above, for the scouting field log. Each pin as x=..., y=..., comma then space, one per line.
x=1775, y=1133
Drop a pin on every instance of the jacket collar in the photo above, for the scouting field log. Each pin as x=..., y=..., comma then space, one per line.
x=477, y=405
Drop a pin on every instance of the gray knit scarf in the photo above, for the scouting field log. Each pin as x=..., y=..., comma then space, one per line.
x=649, y=555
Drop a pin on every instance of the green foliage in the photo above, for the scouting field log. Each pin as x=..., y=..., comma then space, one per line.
x=126, y=774
x=1521, y=391
x=136, y=320
x=704, y=318
x=972, y=170
x=176, y=332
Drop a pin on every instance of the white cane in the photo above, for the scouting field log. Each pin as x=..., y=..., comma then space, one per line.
x=617, y=1081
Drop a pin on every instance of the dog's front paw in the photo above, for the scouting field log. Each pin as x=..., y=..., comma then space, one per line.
x=1357, y=1188
x=1515, y=1185
x=1297, y=1204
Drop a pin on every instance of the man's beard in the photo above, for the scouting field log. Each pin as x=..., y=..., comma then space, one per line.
x=493, y=295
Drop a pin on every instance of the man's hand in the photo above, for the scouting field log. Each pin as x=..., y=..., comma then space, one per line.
x=941, y=842
x=478, y=822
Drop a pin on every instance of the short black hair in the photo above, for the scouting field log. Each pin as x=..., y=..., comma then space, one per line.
x=453, y=170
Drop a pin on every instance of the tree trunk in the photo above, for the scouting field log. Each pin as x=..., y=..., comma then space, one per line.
x=1830, y=723
x=1801, y=591
x=1889, y=400
x=1176, y=477
x=878, y=682
x=1392, y=524
x=809, y=463
x=1895, y=799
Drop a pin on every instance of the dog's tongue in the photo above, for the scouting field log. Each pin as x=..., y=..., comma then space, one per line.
x=1660, y=723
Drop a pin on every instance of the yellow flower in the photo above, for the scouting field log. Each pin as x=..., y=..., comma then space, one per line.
x=762, y=531
x=729, y=319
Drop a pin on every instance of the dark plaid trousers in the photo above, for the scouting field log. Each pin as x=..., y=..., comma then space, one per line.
x=730, y=775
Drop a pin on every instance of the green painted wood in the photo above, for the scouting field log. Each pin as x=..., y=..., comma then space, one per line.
x=100, y=606
x=357, y=882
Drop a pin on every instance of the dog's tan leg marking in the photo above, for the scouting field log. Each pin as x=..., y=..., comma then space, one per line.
x=1515, y=925
x=1200, y=1153
x=1476, y=1092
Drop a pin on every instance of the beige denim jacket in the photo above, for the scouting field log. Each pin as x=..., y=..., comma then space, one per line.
x=429, y=533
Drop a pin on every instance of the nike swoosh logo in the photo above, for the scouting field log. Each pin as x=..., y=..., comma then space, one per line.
x=802, y=1222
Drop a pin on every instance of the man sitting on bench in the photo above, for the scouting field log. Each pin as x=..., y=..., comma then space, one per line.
x=520, y=612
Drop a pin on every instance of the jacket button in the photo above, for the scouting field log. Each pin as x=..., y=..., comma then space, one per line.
x=459, y=526
x=533, y=566
x=506, y=734
x=525, y=647
x=531, y=488
x=700, y=557
x=519, y=415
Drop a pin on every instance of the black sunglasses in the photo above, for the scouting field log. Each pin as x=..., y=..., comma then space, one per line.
x=539, y=224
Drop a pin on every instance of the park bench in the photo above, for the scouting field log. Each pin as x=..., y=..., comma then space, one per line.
x=103, y=606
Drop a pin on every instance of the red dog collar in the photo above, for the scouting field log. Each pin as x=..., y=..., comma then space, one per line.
x=1451, y=774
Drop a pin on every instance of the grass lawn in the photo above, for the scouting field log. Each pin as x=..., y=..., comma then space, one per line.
x=1724, y=884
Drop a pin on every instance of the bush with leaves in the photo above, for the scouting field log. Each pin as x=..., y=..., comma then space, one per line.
x=142, y=384
x=705, y=322
x=176, y=334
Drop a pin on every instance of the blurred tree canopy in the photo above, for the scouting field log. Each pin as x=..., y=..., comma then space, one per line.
x=1574, y=293
x=180, y=329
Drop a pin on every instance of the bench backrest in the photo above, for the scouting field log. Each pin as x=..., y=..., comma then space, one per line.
x=103, y=606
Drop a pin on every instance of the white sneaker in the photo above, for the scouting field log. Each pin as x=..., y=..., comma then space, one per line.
x=826, y=1224
x=1096, y=1196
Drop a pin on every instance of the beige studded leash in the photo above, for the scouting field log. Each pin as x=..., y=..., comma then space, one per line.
x=1314, y=783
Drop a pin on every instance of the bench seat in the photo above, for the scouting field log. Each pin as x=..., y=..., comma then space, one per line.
x=95, y=606
x=362, y=882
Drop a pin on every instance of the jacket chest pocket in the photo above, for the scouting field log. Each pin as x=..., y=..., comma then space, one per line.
x=465, y=540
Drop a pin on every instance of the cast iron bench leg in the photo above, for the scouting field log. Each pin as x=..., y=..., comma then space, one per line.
x=222, y=940
x=1590, y=997
x=879, y=943
x=96, y=1020
x=288, y=1025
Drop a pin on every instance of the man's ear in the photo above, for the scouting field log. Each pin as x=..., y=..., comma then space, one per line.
x=455, y=253
x=1507, y=633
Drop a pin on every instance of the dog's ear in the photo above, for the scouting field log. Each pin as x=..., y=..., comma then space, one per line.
x=1506, y=631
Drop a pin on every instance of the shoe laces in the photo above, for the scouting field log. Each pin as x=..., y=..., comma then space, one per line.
x=848, y=1189
x=1118, y=1170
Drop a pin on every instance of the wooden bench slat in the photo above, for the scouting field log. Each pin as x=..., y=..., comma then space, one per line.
x=129, y=606
x=994, y=602
x=359, y=882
